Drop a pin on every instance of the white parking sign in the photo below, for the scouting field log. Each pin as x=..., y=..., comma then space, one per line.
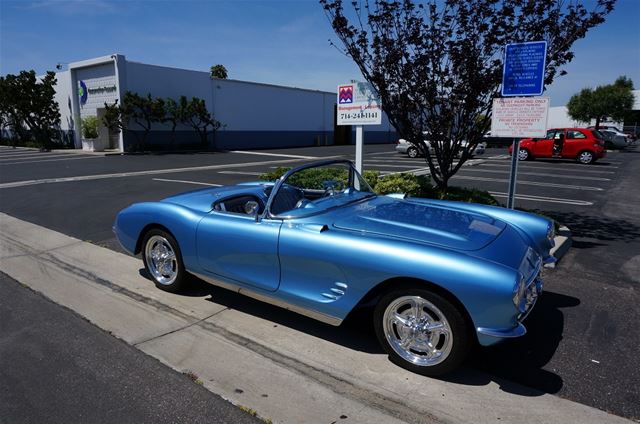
x=358, y=104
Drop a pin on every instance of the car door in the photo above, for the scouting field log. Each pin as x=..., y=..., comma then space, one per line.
x=574, y=142
x=236, y=246
x=544, y=148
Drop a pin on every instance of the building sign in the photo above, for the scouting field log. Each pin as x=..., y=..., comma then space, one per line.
x=83, y=92
x=520, y=117
x=523, y=73
x=100, y=90
x=358, y=104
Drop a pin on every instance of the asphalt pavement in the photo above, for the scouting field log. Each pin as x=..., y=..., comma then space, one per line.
x=582, y=340
x=55, y=367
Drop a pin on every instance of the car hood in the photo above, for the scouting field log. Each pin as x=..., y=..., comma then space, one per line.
x=443, y=226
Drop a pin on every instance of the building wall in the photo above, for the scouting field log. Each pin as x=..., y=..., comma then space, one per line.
x=63, y=98
x=101, y=86
x=254, y=115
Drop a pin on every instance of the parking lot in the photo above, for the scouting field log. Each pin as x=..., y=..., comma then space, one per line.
x=582, y=340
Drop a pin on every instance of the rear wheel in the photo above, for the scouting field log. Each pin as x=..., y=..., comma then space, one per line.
x=412, y=152
x=421, y=331
x=586, y=157
x=163, y=260
x=523, y=154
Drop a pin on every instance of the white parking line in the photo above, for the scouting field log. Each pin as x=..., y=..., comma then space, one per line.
x=4, y=156
x=274, y=154
x=39, y=157
x=138, y=173
x=543, y=199
x=533, y=183
x=551, y=164
x=49, y=160
x=539, y=174
x=525, y=166
x=240, y=173
x=186, y=182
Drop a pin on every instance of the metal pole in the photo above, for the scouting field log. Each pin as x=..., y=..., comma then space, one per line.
x=359, y=148
x=513, y=174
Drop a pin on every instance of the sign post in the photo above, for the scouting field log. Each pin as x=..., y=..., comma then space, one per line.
x=358, y=104
x=523, y=75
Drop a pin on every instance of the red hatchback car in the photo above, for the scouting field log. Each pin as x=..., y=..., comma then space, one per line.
x=584, y=145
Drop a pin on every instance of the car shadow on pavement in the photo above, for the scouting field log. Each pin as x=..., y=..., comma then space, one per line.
x=595, y=227
x=521, y=360
x=516, y=364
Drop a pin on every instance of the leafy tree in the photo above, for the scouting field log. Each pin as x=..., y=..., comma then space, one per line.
x=218, y=71
x=174, y=114
x=144, y=111
x=605, y=101
x=29, y=102
x=113, y=117
x=437, y=65
x=199, y=118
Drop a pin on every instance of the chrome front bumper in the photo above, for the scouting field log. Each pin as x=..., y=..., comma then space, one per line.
x=532, y=293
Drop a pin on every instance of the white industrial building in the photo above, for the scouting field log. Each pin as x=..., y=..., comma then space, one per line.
x=254, y=115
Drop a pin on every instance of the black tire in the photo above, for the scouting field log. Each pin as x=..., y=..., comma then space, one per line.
x=454, y=346
x=167, y=274
x=412, y=152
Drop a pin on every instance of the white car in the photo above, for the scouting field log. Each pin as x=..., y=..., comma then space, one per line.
x=403, y=146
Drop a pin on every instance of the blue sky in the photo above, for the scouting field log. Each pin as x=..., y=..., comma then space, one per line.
x=271, y=41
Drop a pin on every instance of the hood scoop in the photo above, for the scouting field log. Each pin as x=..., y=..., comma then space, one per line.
x=456, y=229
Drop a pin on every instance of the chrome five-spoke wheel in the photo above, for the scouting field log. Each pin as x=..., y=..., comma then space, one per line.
x=421, y=331
x=417, y=330
x=162, y=261
x=161, y=257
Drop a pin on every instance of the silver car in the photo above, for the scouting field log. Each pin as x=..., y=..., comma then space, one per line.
x=403, y=146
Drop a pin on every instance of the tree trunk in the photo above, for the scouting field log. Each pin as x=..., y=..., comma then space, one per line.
x=597, y=122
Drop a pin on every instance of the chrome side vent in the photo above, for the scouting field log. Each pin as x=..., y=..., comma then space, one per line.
x=336, y=292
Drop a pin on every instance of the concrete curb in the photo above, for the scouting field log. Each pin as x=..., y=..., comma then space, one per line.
x=563, y=244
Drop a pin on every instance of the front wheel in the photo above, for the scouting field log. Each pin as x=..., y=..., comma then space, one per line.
x=421, y=331
x=412, y=152
x=586, y=157
x=163, y=260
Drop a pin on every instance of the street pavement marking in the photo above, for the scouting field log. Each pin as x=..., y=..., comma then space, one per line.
x=550, y=164
x=534, y=183
x=540, y=174
x=138, y=173
x=523, y=166
x=186, y=182
x=35, y=158
x=48, y=160
x=543, y=199
x=240, y=173
x=274, y=154
x=28, y=155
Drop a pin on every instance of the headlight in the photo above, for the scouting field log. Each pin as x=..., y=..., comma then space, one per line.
x=551, y=233
x=518, y=292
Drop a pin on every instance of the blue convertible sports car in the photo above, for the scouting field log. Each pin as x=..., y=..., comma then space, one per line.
x=442, y=275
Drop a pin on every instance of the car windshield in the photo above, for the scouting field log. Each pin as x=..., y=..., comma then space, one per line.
x=311, y=190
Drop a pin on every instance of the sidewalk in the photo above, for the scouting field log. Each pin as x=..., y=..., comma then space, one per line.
x=284, y=366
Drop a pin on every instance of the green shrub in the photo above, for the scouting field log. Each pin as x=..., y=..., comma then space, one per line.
x=90, y=127
x=412, y=185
